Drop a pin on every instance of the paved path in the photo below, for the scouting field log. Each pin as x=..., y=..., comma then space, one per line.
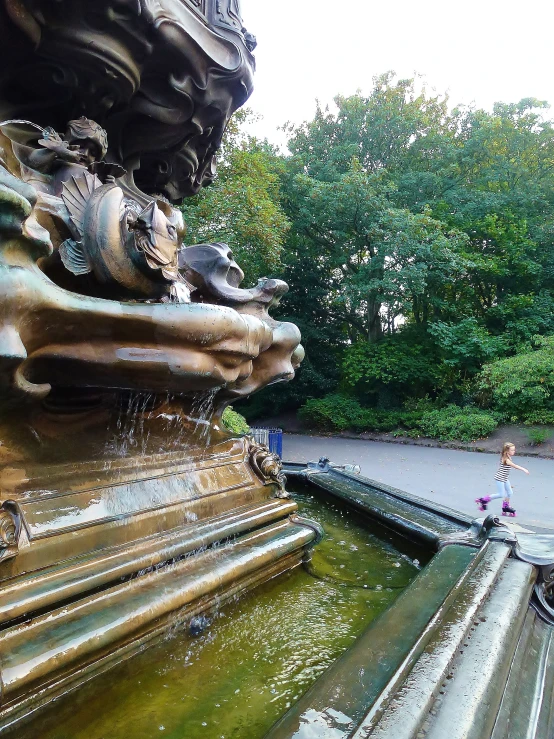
x=451, y=477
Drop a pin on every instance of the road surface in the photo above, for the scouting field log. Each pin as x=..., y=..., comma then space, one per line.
x=451, y=477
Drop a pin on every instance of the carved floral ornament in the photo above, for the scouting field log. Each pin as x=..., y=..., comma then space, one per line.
x=9, y=531
x=268, y=467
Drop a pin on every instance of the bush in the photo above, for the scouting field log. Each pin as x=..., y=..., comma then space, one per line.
x=234, y=422
x=378, y=420
x=340, y=412
x=539, y=436
x=465, y=344
x=393, y=365
x=540, y=417
x=522, y=385
x=453, y=422
x=332, y=413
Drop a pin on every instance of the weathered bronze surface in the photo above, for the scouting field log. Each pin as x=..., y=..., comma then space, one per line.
x=161, y=76
x=121, y=345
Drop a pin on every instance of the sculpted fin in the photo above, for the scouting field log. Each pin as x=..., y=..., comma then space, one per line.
x=74, y=258
x=76, y=193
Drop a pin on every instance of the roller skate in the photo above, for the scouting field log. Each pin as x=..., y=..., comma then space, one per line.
x=482, y=502
x=507, y=510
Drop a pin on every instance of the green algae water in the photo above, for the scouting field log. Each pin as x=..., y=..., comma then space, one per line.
x=255, y=658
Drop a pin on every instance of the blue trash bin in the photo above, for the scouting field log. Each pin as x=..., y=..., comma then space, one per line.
x=261, y=436
x=275, y=442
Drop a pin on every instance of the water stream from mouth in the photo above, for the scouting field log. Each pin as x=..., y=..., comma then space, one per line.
x=136, y=411
x=202, y=411
x=252, y=659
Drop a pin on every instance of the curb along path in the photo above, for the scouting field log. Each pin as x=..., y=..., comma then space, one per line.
x=444, y=475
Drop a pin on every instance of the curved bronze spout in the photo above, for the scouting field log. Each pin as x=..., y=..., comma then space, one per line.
x=212, y=270
x=72, y=340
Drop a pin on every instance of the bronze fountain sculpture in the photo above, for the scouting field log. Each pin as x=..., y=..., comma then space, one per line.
x=125, y=505
x=120, y=345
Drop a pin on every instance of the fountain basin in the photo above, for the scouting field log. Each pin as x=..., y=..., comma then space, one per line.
x=456, y=652
x=406, y=616
x=119, y=520
x=54, y=650
x=257, y=653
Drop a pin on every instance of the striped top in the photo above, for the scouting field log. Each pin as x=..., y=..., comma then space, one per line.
x=503, y=472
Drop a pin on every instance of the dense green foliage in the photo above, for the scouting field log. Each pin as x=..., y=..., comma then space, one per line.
x=453, y=422
x=417, y=241
x=234, y=422
x=390, y=369
x=343, y=413
x=522, y=385
x=243, y=207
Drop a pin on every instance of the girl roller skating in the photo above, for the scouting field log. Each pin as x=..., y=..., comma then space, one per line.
x=503, y=487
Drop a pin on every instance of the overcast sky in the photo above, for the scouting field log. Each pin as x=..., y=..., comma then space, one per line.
x=480, y=51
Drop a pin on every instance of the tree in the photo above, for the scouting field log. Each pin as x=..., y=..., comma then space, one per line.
x=374, y=262
x=407, y=214
x=242, y=208
x=417, y=240
x=381, y=131
x=522, y=385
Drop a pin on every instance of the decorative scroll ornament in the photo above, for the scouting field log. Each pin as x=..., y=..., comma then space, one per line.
x=97, y=290
x=478, y=533
x=543, y=597
x=538, y=550
x=9, y=533
x=268, y=467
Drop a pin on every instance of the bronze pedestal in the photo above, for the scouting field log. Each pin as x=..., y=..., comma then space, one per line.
x=125, y=505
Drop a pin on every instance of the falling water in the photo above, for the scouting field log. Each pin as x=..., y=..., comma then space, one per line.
x=201, y=414
x=137, y=410
x=149, y=424
x=132, y=432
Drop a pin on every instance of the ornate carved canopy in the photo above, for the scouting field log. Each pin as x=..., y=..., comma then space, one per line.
x=161, y=76
x=110, y=111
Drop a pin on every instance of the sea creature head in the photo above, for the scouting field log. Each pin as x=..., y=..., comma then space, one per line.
x=173, y=215
x=154, y=223
x=157, y=237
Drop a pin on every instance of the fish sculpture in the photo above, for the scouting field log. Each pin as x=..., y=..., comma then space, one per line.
x=132, y=250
